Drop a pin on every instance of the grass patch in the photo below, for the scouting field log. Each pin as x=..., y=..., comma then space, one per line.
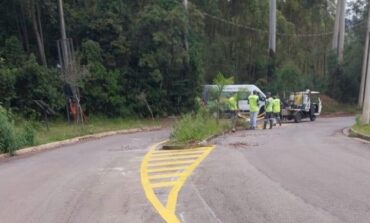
x=363, y=129
x=194, y=128
x=12, y=137
x=61, y=130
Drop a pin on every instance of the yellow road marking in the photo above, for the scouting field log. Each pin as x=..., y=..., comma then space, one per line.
x=177, y=154
x=157, y=164
x=163, y=176
x=174, y=158
x=168, y=211
x=163, y=184
x=166, y=169
x=172, y=197
x=165, y=214
x=184, y=151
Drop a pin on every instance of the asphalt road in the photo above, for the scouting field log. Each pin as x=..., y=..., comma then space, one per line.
x=307, y=172
x=95, y=181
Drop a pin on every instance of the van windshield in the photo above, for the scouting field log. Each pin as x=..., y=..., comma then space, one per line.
x=242, y=95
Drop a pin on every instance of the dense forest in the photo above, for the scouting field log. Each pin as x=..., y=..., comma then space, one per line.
x=132, y=54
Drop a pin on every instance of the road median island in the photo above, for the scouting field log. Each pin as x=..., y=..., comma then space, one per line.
x=195, y=130
x=54, y=145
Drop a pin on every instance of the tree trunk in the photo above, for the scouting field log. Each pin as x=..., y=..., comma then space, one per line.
x=38, y=12
x=36, y=28
x=364, y=66
x=24, y=30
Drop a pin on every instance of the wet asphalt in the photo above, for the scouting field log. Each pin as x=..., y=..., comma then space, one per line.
x=306, y=172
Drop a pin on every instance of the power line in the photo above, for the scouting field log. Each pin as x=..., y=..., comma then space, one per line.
x=266, y=32
x=261, y=30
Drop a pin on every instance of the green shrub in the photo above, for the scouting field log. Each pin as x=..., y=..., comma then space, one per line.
x=192, y=128
x=7, y=133
x=10, y=138
x=27, y=136
x=358, y=119
x=288, y=78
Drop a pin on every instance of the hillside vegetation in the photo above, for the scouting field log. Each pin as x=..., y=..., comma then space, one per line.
x=136, y=55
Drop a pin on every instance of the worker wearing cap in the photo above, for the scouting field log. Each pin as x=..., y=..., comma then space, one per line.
x=233, y=105
x=253, y=101
x=276, y=108
x=269, y=110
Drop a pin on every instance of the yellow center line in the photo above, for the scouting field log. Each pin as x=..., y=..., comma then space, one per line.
x=158, y=164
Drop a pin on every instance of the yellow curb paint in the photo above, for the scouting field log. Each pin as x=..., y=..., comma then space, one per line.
x=166, y=169
x=174, y=158
x=168, y=212
x=163, y=176
x=158, y=164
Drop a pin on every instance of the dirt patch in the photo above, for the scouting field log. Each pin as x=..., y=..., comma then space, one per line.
x=241, y=145
x=337, y=114
x=332, y=108
x=328, y=101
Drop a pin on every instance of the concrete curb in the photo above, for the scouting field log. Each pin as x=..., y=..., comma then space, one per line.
x=358, y=134
x=72, y=141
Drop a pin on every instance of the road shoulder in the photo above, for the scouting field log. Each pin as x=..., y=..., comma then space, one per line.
x=59, y=144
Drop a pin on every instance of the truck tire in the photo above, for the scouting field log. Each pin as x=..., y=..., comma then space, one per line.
x=298, y=117
x=312, y=118
x=312, y=113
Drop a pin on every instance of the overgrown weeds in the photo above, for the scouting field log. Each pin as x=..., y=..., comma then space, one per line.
x=11, y=138
x=196, y=127
x=362, y=128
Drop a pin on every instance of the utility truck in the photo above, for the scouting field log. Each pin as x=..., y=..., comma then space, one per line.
x=301, y=105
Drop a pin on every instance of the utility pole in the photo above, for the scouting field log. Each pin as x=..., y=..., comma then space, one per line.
x=365, y=81
x=336, y=26
x=339, y=29
x=272, y=40
x=366, y=104
x=68, y=67
x=365, y=65
x=272, y=27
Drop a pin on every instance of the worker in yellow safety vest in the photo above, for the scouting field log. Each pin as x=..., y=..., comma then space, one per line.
x=277, y=109
x=233, y=106
x=253, y=101
x=269, y=110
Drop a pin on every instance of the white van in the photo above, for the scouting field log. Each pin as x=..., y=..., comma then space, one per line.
x=244, y=91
